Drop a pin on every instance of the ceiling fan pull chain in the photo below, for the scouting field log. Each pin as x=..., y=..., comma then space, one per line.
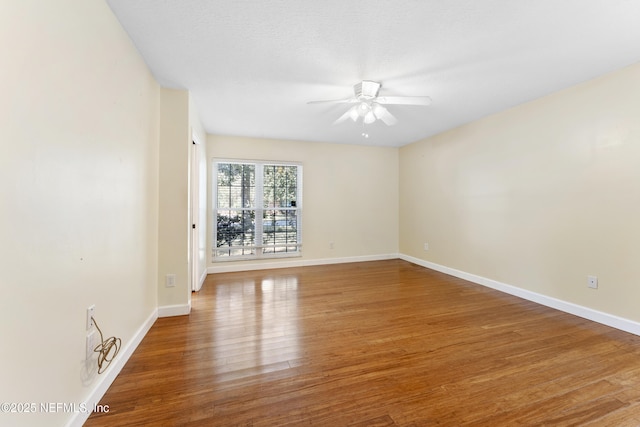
x=364, y=134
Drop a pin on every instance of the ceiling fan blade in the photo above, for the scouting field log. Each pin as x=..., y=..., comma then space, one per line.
x=389, y=119
x=335, y=101
x=404, y=100
x=344, y=117
x=384, y=115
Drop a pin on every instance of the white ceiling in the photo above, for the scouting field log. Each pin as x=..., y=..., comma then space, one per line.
x=252, y=65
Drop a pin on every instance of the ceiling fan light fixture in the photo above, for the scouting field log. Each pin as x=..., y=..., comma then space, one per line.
x=363, y=109
x=369, y=117
x=378, y=110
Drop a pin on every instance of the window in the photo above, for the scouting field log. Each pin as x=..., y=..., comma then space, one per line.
x=257, y=209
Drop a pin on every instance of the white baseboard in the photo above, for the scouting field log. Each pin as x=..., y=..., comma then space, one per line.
x=174, y=310
x=232, y=266
x=575, y=309
x=105, y=380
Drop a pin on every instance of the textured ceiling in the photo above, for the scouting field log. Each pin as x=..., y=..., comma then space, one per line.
x=252, y=65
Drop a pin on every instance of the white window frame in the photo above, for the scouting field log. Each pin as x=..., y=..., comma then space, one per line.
x=259, y=211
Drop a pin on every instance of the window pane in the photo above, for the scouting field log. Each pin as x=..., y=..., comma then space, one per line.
x=280, y=184
x=280, y=231
x=235, y=228
x=236, y=185
x=233, y=251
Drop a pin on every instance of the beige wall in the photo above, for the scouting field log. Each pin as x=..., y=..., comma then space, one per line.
x=538, y=197
x=78, y=216
x=350, y=193
x=179, y=127
x=173, y=224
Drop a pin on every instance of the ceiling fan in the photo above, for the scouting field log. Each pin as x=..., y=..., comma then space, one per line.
x=368, y=105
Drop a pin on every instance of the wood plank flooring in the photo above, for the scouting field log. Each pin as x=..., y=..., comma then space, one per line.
x=383, y=343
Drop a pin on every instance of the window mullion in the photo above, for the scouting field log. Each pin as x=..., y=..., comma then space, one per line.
x=259, y=206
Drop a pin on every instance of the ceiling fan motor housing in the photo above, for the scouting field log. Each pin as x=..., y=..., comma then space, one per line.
x=366, y=90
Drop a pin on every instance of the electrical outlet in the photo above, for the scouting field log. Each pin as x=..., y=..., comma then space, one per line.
x=426, y=246
x=90, y=313
x=592, y=282
x=330, y=245
x=91, y=336
x=170, y=280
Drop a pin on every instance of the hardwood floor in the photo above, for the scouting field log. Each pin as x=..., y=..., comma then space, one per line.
x=383, y=343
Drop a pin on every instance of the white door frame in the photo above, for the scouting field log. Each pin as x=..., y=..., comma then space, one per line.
x=194, y=201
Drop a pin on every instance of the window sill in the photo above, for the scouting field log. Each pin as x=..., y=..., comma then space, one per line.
x=256, y=257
